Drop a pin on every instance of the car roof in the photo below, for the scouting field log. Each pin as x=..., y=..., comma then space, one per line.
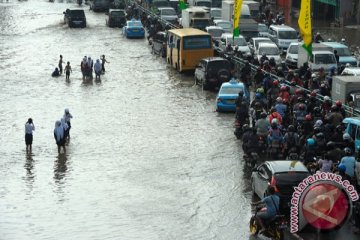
x=286, y=166
x=267, y=44
x=232, y=84
x=282, y=27
x=165, y=8
x=215, y=9
x=323, y=52
x=221, y=20
x=188, y=32
x=214, y=27
x=353, y=69
x=352, y=120
x=230, y=35
x=261, y=38
x=211, y=59
x=335, y=44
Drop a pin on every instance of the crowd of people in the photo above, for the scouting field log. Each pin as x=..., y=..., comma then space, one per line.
x=87, y=68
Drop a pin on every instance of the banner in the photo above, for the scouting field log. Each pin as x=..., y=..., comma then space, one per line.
x=304, y=22
x=237, y=14
x=182, y=4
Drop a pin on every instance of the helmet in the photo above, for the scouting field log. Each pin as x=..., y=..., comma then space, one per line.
x=331, y=145
x=266, y=62
x=310, y=142
x=263, y=115
x=260, y=90
x=291, y=128
x=346, y=136
x=334, y=108
x=264, y=54
x=274, y=121
x=302, y=107
x=313, y=94
x=279, y=100
x=338, y=103
x=257, y=105
x=313, y=75
x=347, y=151
x=341, y=167
x=276, y=82
x=66, y=110
x=318, y=123
x=327, y=98
x=308, y=117
x=298, y=91
x=283, y=88
x=272, y=59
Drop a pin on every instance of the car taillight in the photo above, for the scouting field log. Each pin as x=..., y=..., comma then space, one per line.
x=273, y=183
x=218, y=100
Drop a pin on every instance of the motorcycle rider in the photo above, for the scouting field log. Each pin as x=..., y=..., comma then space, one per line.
x=262, y=125
x=291, y=141
x=249, y=139
x=272, y=202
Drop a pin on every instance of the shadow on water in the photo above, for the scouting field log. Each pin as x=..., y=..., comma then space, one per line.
x=29, y=167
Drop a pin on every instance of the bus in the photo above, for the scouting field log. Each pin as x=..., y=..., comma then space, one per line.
x=186, y=47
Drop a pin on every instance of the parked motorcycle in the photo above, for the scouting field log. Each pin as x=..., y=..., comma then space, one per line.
x=274, y=228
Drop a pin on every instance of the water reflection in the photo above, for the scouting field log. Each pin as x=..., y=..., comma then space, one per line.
x=60, y=167
x=29, y=167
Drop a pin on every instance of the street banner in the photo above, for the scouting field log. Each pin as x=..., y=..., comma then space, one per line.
x=304, y=22
x=237, y=14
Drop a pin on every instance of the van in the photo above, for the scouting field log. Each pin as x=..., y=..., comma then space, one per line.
x=282, y=35
x=254, y=8
x=353, y=129
x=322, y=57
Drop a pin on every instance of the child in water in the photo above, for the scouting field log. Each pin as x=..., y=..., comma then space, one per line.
x=103, y=61
x=60, y=64
x=55, y=73
x=68, y=70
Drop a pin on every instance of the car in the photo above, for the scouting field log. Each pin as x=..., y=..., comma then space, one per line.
x=351, y=71
x=240, y=42
x=159, y=44
x=215, y=32
x=292, y=55
x=270, y=49
x=215, y=13
x=168, y=14
x=226, y=25
x=134, y=29
x=226, y=97
x=263, y=30
x=212, y=72
x=254, y=42
x=345, y=55
x=282, y=35
x=283, y=175
x=100, y=5
x=116, y=18
x=156, y=4
x=75, y=18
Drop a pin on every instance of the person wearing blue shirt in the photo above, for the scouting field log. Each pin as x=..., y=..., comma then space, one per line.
x=272, y=208
x=280, y=107
x=349, y=162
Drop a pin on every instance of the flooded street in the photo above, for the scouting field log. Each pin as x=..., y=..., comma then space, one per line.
x=148, y=157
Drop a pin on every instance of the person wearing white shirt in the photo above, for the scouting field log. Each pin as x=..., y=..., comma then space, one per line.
x=29, y=128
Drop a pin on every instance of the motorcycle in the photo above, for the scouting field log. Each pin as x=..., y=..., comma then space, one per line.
x=238, y=130
x=262, y=144
x=251, y=159
x=292, y=154
x=274, y=228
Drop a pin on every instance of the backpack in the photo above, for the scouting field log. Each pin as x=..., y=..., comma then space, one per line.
x=290, y=140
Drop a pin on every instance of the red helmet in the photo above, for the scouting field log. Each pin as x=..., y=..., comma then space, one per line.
x=283, y=88
x=276, y=82
x=338, y=103
x=313, y=94
x=308, y=117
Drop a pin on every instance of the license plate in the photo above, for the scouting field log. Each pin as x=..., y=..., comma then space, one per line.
x=135, y=30
x=230, y=101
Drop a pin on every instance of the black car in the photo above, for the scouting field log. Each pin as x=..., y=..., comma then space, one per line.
x=159, y=44
x=116, y=18
x=100, y=5
x=282, y=175
x=212, y=72
x=75, y=18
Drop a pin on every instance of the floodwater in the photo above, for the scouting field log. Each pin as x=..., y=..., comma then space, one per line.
x=148, y=156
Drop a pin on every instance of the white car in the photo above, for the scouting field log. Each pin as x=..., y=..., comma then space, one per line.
x=215, y=32
x=270, y=49
x=292, y=55
x=254, y=42
x=168, y=14
x=351, y=71
x=215, y=13
x=240, y=42
x=263, y=30
x=226, y=25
